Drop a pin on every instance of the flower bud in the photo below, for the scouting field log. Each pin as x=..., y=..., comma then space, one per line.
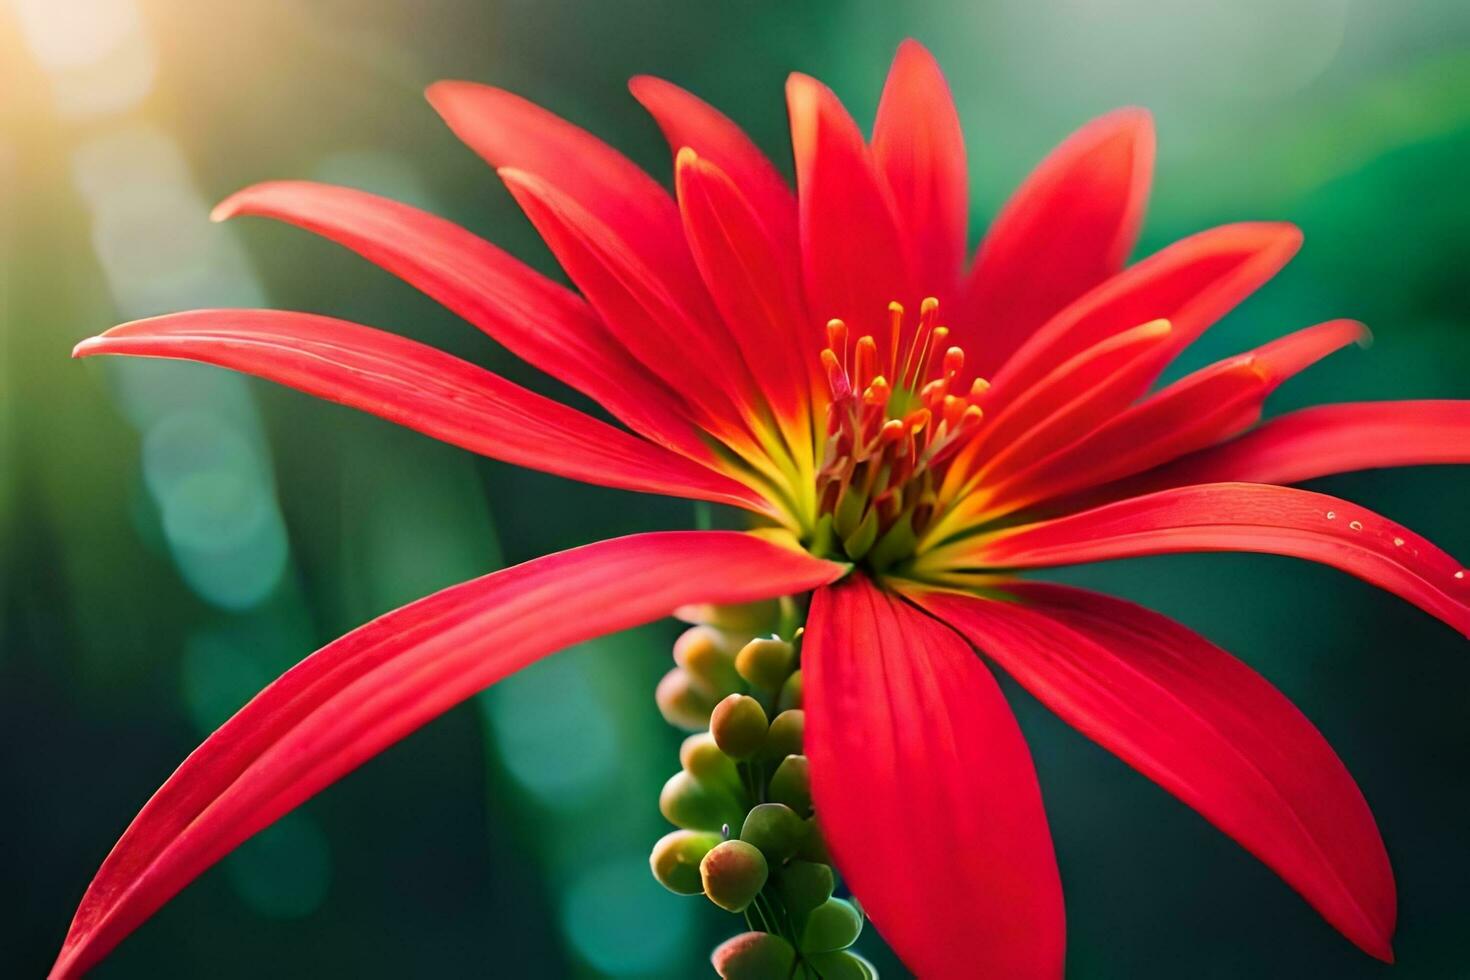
x=703, y=654
x=753, y=956
x=790, y=696
x=765, y=662
x=733, y=873
x=841, y=965
x=791, y=784
x=804, y=885
x=682, y=704
x=814, y=847
x=749, y=618
x=738, y=724
x=834, y=924
x=676, y=857
x=785, y=735
x=702, y=759
x=696, y=805
x=775, y=829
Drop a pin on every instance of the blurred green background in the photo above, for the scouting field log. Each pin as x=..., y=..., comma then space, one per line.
x=174, y=537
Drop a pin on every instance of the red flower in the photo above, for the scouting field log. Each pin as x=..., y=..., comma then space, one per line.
x=882, y=472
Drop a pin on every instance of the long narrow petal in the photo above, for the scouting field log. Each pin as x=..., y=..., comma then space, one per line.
x=853, y=259
x=545, y=324
x=1324, y=440
x=694, y=357
x=1064, y=405
x=1213, y=403
x=356, y=696
x=1191, y=283
x=1205, y=727
x=757, y=293
x=925, y=791
x=920, y=151
x=1070, y=226
x=508, y=131
x=422, y=388
x=687, y=120
x=1236, y=517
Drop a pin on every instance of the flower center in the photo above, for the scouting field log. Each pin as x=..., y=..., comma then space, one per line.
x=896, y=417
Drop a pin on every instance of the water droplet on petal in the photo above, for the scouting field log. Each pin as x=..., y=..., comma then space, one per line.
x=1356, y=525
x=1332, y=515
x=1460, y=575
x=1398, y=542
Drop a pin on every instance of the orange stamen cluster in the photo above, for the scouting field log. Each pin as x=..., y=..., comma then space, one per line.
x=891, y=425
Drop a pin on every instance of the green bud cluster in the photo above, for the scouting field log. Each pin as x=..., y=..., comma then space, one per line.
x=748, y=838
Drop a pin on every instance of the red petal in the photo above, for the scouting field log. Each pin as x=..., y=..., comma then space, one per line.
x=756, y=291
x=1192, y=283
x=853, y=259
x=508, y=131
x=1205, y=727
x=1329, y=439
x=920, y=151
x=1064, y=405
x=1211, y=404
x=1067, y=228
x=694, y=356
x=925, y=791
x=539, y=321
x=423, y=388
x=355, y=697
x=1238, y=517
x=687, y=120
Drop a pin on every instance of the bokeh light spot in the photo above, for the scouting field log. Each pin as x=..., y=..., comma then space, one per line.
x=284, y=871
x=554, y=734
x=624, y=923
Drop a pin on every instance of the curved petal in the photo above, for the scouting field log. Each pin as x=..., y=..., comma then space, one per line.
x=1205, y=727
x=1061, y=408
x=695, y=357
x=853, y=259
x=919, y=149
x=925, y=791
x=1235, y=517
x=508, y=131
x=539, y=321
x=356, y=696
x=1213, y=403
x=687, y=120
x=756, y=292
x=1327, y=439
x=425, y=389
x=1191, y=283
x=1068, y=227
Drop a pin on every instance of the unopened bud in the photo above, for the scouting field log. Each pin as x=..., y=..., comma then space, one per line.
x=702, y=759
x=775, y=829
x=785, y=735
x=750, y=618
x=676, y=857
x=841, y=965
x=791, y=784
x=765, y=662
x=683, y=704
x=753, y=956
x=733, y=873
x=835, y=924
x=696, y=805
x=804, y=885
x=814, y=847
x=705, y=656
x=790, y=696
x=738, y=724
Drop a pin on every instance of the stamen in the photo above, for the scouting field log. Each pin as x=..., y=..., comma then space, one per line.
x=886, y=439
